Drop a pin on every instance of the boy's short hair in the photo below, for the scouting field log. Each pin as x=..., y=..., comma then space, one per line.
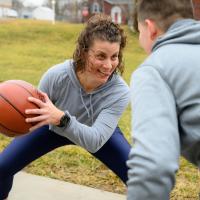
x=163, y=12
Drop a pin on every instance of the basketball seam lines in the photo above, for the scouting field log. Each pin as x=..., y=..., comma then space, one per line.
x=13, y=105
x=32, y=123
x=27, y=90
x=16, y=110
x=22, y=87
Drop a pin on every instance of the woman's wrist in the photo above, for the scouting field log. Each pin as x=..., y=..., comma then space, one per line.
x=64, y=120
x=60, y=114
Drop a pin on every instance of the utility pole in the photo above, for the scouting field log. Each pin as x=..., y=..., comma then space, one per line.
x=53, y=2
x=76, y=10
x=102, y=6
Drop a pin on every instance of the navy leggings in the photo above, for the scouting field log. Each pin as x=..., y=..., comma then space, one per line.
x=25, y=149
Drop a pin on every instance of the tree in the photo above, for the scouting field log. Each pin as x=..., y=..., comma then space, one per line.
x=17, y=4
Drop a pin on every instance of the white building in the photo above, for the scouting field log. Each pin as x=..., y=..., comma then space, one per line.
x=8, y=12
x=6, y=9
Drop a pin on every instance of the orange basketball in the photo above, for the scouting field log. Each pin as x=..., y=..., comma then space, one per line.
x=13, y=102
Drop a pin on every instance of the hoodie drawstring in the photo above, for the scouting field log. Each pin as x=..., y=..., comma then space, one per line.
x=91, y=107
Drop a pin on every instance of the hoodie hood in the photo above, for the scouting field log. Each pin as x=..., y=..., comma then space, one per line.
x=93, y=116
x=186, y=31
x=87, y=98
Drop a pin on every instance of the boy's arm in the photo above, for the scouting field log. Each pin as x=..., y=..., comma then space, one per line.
x=155, y=154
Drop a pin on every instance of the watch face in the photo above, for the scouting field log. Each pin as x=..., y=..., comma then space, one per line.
x=64, y=120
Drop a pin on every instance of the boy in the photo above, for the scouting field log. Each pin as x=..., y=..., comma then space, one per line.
x=165, y=98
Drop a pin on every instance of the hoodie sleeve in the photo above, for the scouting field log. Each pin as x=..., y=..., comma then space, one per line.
x=92, y=138
x=153, y=160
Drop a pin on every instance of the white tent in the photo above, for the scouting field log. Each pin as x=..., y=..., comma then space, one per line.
x=43, y=13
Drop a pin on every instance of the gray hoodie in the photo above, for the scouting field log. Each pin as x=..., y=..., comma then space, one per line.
x=93, y=116
x=165, y=97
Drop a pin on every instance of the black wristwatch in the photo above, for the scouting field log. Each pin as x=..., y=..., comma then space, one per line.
x=64, y=120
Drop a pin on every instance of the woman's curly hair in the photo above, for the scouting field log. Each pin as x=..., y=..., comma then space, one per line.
x=99, y=26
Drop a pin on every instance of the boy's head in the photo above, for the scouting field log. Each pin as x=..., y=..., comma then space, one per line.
x=154, y=17
x=163, y=12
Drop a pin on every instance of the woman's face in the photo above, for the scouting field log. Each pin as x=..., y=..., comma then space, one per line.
x=102, y=60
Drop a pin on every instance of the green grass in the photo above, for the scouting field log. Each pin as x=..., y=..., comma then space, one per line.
x=28, y=49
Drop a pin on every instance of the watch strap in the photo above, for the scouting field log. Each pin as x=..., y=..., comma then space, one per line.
x=64, y=120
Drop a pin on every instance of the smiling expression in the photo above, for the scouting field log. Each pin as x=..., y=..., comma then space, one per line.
x=102, y=61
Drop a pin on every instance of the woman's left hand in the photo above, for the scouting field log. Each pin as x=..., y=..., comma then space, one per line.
x=47, y=113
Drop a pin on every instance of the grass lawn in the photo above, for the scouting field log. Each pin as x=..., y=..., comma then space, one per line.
x=28, y=49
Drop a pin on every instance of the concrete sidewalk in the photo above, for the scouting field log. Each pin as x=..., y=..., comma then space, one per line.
x=32, y=187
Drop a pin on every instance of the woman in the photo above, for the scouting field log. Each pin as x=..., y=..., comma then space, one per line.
x=83, y=101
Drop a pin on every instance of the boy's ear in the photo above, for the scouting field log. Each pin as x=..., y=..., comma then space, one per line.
x=153, y=29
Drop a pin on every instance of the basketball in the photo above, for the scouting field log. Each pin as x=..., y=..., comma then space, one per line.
x=13, y=102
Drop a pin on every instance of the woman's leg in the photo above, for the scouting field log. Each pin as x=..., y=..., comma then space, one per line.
x=22, y=151
x=114, y=154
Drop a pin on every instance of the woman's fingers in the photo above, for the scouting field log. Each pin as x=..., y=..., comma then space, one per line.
x=46, y=98
x=36, y=101
x=46, y=113
x=36, y=119
x=34, y=111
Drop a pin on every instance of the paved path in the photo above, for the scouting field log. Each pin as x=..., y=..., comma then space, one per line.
x=32, y=187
